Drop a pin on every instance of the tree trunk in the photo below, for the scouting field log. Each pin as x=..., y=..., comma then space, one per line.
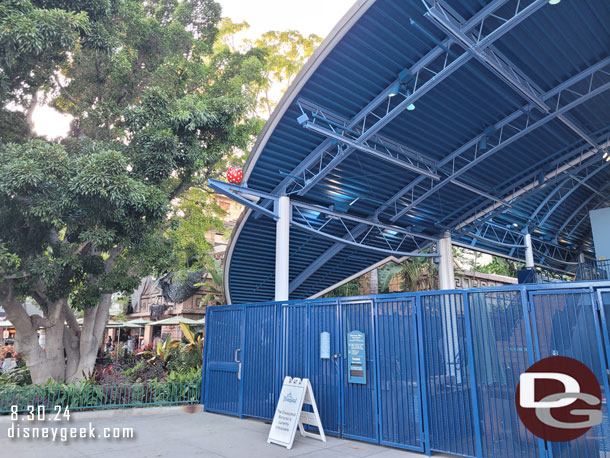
x=94, y=323
x=374, y=282
x=69, y=356
x=26, y=336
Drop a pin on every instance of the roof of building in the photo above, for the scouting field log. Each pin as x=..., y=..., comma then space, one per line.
x=484, y=118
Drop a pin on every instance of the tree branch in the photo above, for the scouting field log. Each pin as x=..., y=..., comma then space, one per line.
x=65, y=92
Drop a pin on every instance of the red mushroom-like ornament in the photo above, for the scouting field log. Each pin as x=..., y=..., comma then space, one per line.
x=234, y=175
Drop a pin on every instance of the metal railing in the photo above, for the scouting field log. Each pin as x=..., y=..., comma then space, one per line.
x=594, y=270
x=442, y=367
x=88, y=396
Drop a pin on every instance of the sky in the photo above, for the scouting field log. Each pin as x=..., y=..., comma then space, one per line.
x=312, y=16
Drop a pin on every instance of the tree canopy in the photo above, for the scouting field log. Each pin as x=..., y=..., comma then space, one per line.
x=157, y=111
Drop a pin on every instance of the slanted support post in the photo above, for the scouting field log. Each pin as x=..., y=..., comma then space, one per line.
x=529, y=252
x=282, y=248
x=445, y=267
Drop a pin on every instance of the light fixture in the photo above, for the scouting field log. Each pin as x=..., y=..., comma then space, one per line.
x=605, y=155
x=395, y=89
x=483, y=143
x=411, y=107
x=554, y=2
x=608, y=159
x=515, y=224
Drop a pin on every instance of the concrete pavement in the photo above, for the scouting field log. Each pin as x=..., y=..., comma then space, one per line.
x=172, y=432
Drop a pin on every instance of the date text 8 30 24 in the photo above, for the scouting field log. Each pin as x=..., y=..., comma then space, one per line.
x=39, y=413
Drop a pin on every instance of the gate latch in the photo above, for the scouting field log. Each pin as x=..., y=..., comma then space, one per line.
x=239, y=364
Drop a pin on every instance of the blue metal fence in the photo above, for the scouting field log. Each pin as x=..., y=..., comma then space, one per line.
x=441, y=367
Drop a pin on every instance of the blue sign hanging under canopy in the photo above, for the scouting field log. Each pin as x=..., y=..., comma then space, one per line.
x=356, y=357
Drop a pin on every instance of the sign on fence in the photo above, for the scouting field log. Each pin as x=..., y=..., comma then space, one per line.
x=289, y=413
x=356, y=357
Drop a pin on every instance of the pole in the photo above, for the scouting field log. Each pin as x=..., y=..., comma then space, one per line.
x=282, y=248
x=449, y=307
x=445, y=267
x=529, y=252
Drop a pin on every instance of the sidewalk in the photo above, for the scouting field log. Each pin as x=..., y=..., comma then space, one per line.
x=172, y=432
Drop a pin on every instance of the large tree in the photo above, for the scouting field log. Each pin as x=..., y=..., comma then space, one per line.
x=157, y=111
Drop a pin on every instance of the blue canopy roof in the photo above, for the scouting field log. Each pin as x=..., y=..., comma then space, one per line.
x=485, y=118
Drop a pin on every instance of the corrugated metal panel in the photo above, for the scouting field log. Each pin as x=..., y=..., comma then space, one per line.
x=551, y=46
x=359, y=400
x=259, y=361
x=447, y=384
x=400, y=410
x=500, y=349
x=566, y=325
x=442, y=367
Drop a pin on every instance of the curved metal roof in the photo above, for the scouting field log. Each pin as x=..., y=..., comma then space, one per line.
x=485, y=118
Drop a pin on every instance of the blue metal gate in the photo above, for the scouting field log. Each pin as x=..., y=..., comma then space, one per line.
x=223, y=374
x=400, y=409
x=440, y=368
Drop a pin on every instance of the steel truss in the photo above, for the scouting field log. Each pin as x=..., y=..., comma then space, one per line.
x=437, y=65
x=557, y=165
x=566, y=96
x=322, y=121
x=497, y=234
x=452, y=24
x=585, y=165
x=551, y=248
x=366, y=234
x=578, y=216
x=412, y=84
x=563, y=191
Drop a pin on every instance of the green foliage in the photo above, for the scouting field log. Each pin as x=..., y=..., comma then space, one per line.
x=351, y=288
x=500, y=266
x=156, y=115
x=19, y=376
x=288, y=51
x=34, y=40
x=214, y=284
x=385, y=275
x=419, y=274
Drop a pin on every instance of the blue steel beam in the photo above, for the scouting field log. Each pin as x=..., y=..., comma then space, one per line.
x=566, y=160
x=499, y=65
x=307, y=217
x=472, y=144
x=505, y=135
x=586, y=164
x=238, y=193
x=582, y=207
x=423, y=79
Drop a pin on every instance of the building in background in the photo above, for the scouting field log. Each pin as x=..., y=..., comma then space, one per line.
x=158, y=299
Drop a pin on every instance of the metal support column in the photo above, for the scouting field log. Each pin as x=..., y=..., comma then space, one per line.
x=529, y=252
x=282, y=248
x=445, y=266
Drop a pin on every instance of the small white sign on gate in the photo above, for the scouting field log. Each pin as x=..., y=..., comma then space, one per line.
x=289, y=413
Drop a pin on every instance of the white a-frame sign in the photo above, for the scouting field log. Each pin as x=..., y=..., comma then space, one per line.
x=289, y=413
